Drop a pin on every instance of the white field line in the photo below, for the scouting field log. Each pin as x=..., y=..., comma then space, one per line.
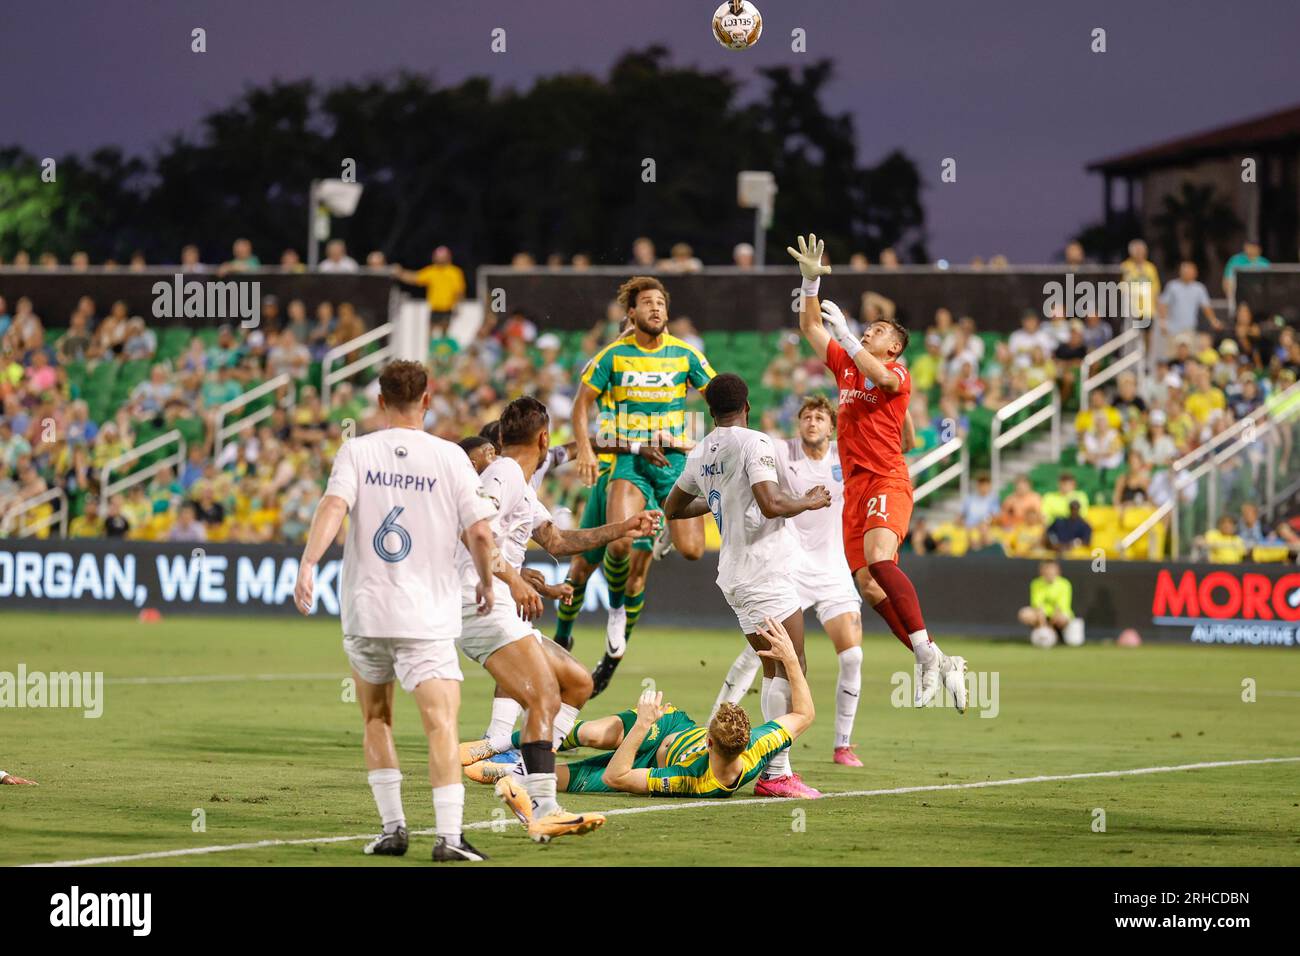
x=691, y=805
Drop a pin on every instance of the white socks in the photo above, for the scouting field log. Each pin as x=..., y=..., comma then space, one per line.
x=562, y=724
x=739, y=679
x=448, y=811
x=500, y=742
x=775, y=700
x=847, y=692
x=541, y=790
x=922, y=646
x=505, y=711
x=386, y=785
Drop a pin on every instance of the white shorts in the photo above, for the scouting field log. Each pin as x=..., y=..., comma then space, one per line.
x=380, y=660
x=830, y=590
x=480, y=637
x=754, y=601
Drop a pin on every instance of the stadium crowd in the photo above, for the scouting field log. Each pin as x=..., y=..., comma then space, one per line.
x=56, y=431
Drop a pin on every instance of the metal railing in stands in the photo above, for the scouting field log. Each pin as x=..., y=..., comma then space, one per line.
x=960, y=469
x=1275, y=415
x=1051, y=412
x=1130, y=358
x=108, y=487
x=1229, y=434
x=329, y=378
x=59, y=517
x=224, y=431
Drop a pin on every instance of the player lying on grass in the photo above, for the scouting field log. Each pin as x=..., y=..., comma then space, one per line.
x=874, y=390
x=9, y=780
x=733, y=473
x=658, y=749
x=535, y=672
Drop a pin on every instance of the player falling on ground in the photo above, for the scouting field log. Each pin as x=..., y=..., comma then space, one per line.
x=658, y=749
x=733, y=473
x=413, y=500
x=874, y=392
x=640, y=381
x=534, y=672
x=823, y=578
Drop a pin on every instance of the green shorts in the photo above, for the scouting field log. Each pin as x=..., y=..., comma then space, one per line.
x=654, y=481
x=593, y=516
x=585, y=775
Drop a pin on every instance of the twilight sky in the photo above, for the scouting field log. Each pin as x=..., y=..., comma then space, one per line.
x=1009, y=88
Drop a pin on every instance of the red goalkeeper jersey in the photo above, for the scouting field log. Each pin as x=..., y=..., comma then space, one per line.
x=869, y=428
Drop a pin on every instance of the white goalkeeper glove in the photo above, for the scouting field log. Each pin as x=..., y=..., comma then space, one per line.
x=809, y=257
x=838, y=326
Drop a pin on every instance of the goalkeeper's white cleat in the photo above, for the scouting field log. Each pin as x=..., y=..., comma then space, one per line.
x=953, y=670
x=616, y=632
x=928, y=678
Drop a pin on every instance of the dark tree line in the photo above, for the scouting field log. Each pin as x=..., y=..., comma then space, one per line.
x=556, y=167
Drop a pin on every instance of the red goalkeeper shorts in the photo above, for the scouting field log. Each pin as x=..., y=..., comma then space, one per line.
x=874, y=501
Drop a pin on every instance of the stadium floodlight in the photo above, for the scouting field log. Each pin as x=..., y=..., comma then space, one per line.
x=757, y=190
x=327, y=197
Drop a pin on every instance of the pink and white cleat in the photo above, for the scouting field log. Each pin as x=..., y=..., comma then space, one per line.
x=846, y=756
x=790, y=786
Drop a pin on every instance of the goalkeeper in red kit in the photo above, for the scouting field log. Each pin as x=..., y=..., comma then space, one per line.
x=874, y=392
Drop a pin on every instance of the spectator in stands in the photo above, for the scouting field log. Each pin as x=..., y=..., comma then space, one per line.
x=1097, y=407
x=1204, y=400
x=1133, y=487
x=888, y=258
x=290, y=261
x=1130, y=405
x=1030, y=336
x=148, y=397
x=743, y=255
x=140, y=343
x=780, y=372
x=1096, y=332
x=1025, y=539
x=190, y=261
x=207, y=509
x=1182, y=302
x=927, y=368
x=1069, y=357
x=137, y=263
x=685, y=329
x=5, y=318
x=1155, y=445
x=979, y=509
x=1250, y=257
x=115, y=522
x=337, y=258
x=1074, y=255
x=643, y=254
x=78, y=428
x=1252, y=347
x=681, y=259
x=1071, y=531
x=187, y=526
x=1101, y=446
x=1040, y=369
x=1020, y=504
x=1056, y=504
x=296, y=321
x=1251, y=530
x=88, y=524
x=1143, y=281
x=80, y=261
x=196, y=461
x=241, y=259
x=1244, y=398
x=1050, y=614
x=1222, y=545
x=444, y=283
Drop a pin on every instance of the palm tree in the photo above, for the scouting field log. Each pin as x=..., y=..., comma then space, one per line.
x=1194, y=224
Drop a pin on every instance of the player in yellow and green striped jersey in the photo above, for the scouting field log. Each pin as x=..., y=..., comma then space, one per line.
x=660, y=750
x=640, y=383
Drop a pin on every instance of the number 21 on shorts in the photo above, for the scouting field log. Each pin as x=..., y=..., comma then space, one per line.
x=876, y=507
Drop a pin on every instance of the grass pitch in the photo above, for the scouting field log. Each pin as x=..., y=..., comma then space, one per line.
x=244, y=720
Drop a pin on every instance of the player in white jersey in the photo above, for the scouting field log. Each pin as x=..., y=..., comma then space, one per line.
x=413, y=500
x=733, y=473
x=822, y=575
x=536, y=673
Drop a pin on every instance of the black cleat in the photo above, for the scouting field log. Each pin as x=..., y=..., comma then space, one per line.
x=603, y=673
x=388, y=844
x=463, y=852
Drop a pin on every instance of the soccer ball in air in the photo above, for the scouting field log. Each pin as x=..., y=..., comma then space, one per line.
x=737, y=24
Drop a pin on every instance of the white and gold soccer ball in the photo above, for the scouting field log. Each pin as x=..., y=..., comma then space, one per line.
x=737, y=24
